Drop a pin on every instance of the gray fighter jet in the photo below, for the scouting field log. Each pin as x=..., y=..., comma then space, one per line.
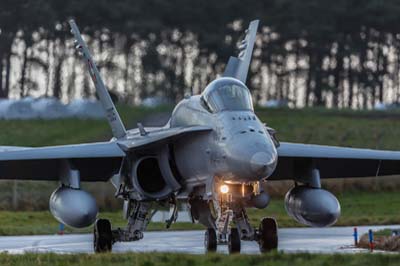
x=214, y=155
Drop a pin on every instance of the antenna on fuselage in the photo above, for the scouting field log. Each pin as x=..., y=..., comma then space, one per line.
x=117, y=127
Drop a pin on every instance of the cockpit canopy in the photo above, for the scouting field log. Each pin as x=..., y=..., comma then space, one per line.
x=227, y=94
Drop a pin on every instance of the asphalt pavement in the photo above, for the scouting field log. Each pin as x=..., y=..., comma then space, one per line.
x=291, y=240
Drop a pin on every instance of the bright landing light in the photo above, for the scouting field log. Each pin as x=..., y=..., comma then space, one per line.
x=224, y=189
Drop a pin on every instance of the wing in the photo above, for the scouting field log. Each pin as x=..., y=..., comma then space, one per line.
x=238, y=67
x=95, y=161
x=295, y=160
x=154, y=137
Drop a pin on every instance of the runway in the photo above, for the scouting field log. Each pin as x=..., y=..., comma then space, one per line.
x=291, y=240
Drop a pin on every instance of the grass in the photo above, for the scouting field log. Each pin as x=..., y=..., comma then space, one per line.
x=166, y=259
x=35, y=133
x=384, y=232
x=357, y=209
x=42, y=222
x=364, y=129
x=368, y=129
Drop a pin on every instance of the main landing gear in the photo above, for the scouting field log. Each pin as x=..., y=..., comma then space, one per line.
x=268, y=235
x=219, y=230
x=102, y=236
x=138, y=218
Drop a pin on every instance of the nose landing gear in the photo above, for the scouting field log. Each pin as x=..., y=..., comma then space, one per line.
x=266, y=235
x=226, y=234
x=218, y=215
x=210, y=240
x=234, y=241
x=232, y=210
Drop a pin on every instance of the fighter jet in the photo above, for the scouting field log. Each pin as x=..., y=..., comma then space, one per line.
x=214, y=154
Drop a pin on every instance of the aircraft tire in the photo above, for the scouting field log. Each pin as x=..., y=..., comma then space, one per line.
x=268, y=235
x=234, y=241
x=210, y=240
x=102, y=236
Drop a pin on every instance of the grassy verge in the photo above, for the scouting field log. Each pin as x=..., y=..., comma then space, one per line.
x=384, y=232
x=357, y=209
x=164, y=259
x=368, y=129
x=42, y=222
x=364, y=129
x=34, y=133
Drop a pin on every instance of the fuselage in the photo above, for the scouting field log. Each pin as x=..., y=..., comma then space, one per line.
x=238, y=150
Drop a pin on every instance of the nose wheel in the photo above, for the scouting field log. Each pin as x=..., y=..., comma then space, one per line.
x=268, y=235
x=210, y=240
x=234, y=241
x=102, y=236
x=232, y=211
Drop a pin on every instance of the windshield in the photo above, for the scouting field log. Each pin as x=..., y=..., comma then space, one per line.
x=223, y=95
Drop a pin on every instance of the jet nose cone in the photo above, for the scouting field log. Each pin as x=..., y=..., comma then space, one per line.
x=259, y=161
x=262, y=163
x=249, y=158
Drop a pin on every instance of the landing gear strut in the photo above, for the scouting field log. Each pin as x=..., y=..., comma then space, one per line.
x=226, y=234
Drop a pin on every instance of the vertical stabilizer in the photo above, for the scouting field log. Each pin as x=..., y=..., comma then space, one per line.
x=238, y=67
x=117, y=127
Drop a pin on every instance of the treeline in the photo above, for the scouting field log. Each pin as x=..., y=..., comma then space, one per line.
x=343, y=53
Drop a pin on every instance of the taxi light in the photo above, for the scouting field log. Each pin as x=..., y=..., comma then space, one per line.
x=224, y=189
